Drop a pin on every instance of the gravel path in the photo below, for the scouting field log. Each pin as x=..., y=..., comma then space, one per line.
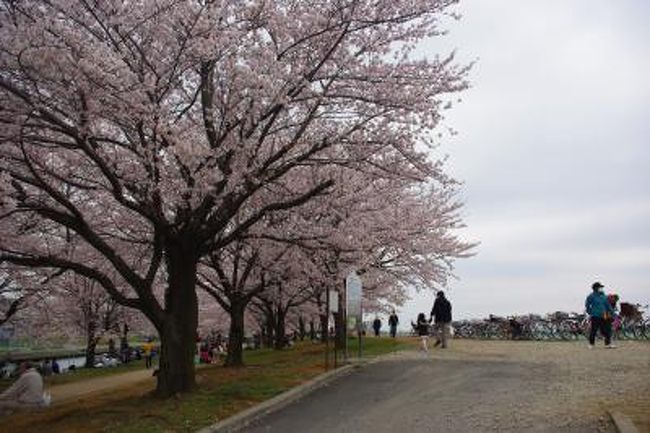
x=477, y=386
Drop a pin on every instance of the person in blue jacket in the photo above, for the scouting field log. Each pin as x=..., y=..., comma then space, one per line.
x=600, y=312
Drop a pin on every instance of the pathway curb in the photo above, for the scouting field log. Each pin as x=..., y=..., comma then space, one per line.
x=244, y=418
x=622, y=423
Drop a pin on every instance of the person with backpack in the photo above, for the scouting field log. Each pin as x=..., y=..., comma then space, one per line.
x=441, y=313
x=600, y=314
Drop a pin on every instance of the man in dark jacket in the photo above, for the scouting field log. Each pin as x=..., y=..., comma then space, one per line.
x=393, y=321
x=441, y=313
x=376, y=326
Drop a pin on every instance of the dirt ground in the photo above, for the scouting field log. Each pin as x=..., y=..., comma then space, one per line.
x=581, y=380
x=102, y=385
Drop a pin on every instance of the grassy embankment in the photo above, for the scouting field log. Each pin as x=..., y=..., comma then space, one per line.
x=221, y=393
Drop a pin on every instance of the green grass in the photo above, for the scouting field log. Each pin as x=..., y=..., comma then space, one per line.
x=221, y=393
x=372, y=346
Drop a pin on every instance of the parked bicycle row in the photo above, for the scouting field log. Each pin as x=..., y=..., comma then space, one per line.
x=562, y=326
x=628, y=325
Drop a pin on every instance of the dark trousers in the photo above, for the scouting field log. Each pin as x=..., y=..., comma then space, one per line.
x=147, y=361
x=605, y=329
x=393, y=330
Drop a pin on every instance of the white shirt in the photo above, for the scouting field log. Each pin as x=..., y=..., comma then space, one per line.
x=28, y=389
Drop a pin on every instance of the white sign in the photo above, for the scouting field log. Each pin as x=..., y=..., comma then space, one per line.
x=353, y=295
x=334, y=301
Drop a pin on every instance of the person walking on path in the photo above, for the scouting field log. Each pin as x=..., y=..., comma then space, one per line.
x=393, y=321
x=26, y=392
x=441, y=313
x=600, y=312
x=376, y=326
x=147, y=349
x=422, y=329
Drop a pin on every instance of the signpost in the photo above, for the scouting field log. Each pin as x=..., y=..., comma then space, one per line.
x=334, y=301
x=353, y=294
x=331, y=306
x=349, y=311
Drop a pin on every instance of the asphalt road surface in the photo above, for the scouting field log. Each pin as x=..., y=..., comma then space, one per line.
x=414, y=393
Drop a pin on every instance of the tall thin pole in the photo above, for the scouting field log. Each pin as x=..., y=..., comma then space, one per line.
x=360, y=333
x=326, y=330
x=345, y=319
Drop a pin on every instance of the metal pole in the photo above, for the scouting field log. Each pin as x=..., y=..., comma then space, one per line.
x=360, y=326
x=359, y=333
x=345, y=320
x=336, y=343
x=326, y=330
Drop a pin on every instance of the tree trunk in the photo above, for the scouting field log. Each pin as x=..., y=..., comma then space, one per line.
x=91, y=345
x=312, y=330
x=340, y=325
x=176, y=365
x=178, y=330
x=269, y=332
x=235, y=357
x=323, y=327
x=302, y=330
x=340, y=333
x=263, y=334
x=280, y=331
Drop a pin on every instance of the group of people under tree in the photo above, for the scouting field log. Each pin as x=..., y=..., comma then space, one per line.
x=211, y=348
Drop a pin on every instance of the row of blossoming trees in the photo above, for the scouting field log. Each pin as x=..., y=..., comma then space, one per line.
x=174, y=153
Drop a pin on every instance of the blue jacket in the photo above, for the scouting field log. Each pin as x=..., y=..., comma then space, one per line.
x=597, y=304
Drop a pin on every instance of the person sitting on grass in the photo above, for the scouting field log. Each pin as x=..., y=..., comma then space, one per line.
x=25, y=393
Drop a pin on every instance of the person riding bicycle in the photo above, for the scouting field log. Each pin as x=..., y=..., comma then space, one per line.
x=600, y=312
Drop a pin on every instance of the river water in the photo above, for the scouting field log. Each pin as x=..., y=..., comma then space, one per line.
x=64, y=365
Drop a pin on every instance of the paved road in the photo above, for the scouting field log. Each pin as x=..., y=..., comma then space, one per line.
x=418, y=394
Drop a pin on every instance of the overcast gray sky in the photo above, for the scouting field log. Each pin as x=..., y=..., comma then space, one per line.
x=553, y=148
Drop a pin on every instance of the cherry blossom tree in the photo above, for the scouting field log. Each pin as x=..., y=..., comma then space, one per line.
x=80, y=304
x=161, y=131
x=287, y=288
x=20, y=292
x=11, y=300
x=397, y=233
x=233, y=277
